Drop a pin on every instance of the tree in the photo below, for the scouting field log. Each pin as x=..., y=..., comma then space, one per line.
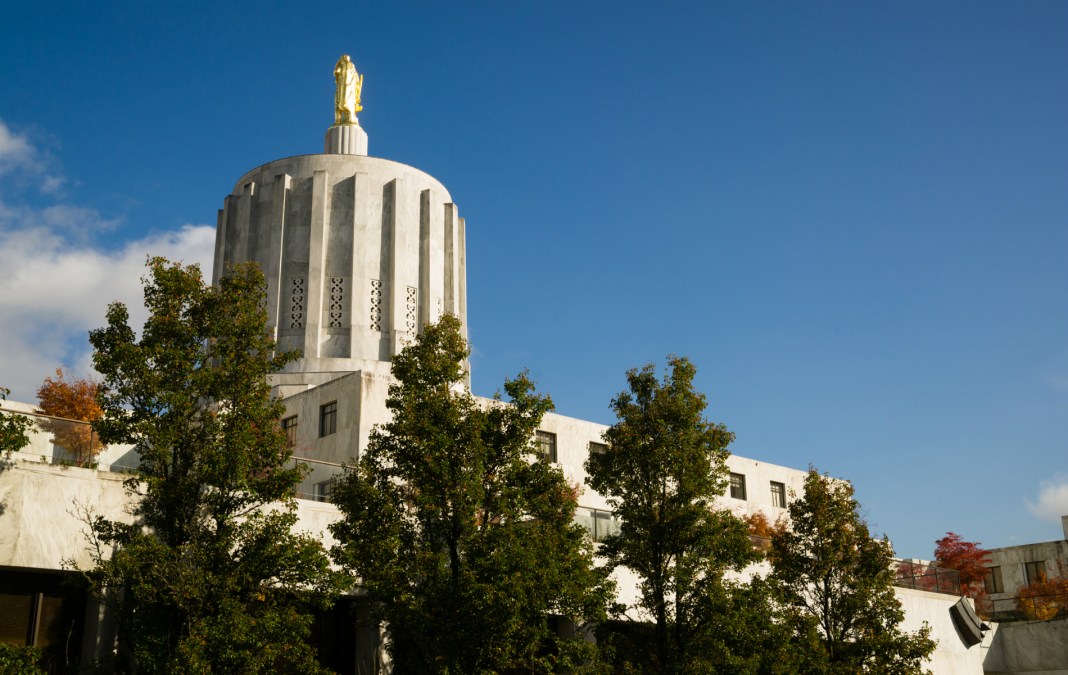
x=210, y=576
x=662, y=472
x=967, y=558
x=1045, y=598
x=71, y=399
x=836, y=583
x=464, y=544
x=13, y=428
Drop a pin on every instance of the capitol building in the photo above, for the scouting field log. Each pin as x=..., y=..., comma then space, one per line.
x=359, y=253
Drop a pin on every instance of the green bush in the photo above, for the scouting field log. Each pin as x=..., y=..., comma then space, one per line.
x=19, y=660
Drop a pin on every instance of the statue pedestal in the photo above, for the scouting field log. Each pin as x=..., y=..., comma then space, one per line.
x=346, y=139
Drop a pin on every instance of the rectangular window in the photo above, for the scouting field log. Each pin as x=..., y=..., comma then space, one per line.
x=599, y=523
x=324, y=490
x=327, y=419
x=778, y=495
x=1036, y=571
x=546, y=446
x=992, y=580
x=738, y=486
x=598, y=448
x=289, y=426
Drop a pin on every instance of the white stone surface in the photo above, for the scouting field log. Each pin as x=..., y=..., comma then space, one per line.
x=41, y=525
x=359, y=253
x=951, y=656
x=1032, y=647
x=345, y=139
x=1013, y=560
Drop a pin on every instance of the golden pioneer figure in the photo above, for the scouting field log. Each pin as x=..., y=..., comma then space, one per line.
x=347, y=96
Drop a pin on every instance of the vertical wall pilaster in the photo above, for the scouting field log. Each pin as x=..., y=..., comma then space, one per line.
x=316, y=252
x=451, y=261
x=220, y=242
x=242, y=246
x=273, y=269
x=398, y=280
x=425, y=226
x=461, y=282
x=359, y=296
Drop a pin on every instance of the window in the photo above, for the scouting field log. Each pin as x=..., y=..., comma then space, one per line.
x=324, y=490
x=599, y=523
x=738, y=486
x=992, y=580
x=546, y=446
x=598, y=448
x=1036, y=571
x=778, y=495
x=327, y=419
x=289, y=426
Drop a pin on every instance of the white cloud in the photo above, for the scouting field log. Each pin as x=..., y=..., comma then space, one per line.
x=57, y=284
x=25, y=161
x=15, y=150
x=1052, y=499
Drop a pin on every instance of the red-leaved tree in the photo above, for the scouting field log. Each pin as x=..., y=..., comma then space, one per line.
x=968, y=558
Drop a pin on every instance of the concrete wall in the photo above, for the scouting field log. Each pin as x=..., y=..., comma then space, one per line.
x=1012, y=560
x=1034, y=648
x=951, y=656
x=41, y=507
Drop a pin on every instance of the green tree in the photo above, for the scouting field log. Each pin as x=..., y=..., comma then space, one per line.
x=464, y=545
x=14, y=429
x=209, y=577
x=662, y=472
x=836, y=583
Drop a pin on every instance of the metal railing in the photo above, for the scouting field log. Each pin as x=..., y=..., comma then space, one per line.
x=59, y=441
x=924, y=577
x=1030, y=607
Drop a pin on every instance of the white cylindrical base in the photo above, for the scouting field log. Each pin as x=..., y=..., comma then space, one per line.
x=346, y=139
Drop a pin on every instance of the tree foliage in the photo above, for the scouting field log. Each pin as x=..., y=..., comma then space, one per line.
x=836, y=583
x=71, y=398
x=1045, y=598
x=662, y=472
x=210, y=576
x=464, y=545
x=14, y=428
x=967, y=558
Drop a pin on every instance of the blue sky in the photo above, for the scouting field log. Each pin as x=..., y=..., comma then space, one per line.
x=853, y=217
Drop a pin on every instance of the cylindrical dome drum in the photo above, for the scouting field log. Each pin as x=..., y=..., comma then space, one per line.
x=359, y=252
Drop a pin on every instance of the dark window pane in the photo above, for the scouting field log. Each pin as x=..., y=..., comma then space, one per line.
x=738, y=486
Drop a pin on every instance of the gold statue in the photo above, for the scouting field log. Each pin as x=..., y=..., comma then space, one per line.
x=347, y=96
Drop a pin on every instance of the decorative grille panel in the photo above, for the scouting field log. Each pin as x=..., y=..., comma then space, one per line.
x=296, y=305
x=409, y=316
x=336, y=312
x=376, y=304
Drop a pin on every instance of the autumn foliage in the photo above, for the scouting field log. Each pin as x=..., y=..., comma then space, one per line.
x=71, y=398
x=1046, y=598
x=968, y=558
x=762, y=530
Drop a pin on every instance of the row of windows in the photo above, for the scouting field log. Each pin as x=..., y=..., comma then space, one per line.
x=1033, y=571
x=546, y=450
x=778, y=490
x=327, y=423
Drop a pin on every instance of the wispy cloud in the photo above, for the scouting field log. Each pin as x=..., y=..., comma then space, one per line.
x=22, y=162
x=1052, y=502
x=57, y=283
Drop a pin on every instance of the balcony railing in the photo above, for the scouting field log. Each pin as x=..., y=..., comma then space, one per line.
x=1037, y=607
x=924, y=577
